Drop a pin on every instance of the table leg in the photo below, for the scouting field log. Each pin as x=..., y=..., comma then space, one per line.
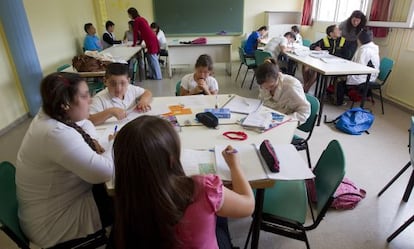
x=257, y=218
x=322, y=91
x=364, y=96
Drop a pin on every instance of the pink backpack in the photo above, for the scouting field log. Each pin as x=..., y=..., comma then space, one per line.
x=346, y=196
x=200, y=40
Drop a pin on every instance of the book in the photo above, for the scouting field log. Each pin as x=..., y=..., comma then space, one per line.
x=242, y=105
x=219, y=112
x=262, y=121
x=292, y=166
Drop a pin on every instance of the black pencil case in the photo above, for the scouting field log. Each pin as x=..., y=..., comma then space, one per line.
x=268, y=153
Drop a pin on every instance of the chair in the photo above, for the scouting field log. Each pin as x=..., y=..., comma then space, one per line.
x=285, y=205
x=302, y=143
x=62, y=67
x=178, y=88
x=9, y=221
x=248, y=62
x=410, y=184
x=259, y=56
x=385, y=69
x=306, y=42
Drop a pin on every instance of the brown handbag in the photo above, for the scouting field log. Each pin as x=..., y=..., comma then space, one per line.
x=84, y=63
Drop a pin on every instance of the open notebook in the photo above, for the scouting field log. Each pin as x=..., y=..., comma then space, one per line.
x=292, y=166
x=242, y=105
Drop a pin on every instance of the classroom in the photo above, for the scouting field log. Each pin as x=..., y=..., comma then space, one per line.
x=37, y=37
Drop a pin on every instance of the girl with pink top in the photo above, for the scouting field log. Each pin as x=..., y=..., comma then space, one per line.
x=157, y=206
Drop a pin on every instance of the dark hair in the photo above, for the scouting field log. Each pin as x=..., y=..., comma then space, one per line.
x=330, y=29
x=266, y=71
x=295, y=29
x=155, y=26
x=365, y=36
x=133, y=12
x=131, y=23
x=109, y=24
x=116, y=68
x=291, y=34
x=262, y=28
x=58, y=92
x=205, y=60
x=361, y=25
x=151, y=189
x=87, y=26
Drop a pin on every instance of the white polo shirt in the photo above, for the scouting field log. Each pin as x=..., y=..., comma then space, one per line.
x=103, y=100
x=188, y=83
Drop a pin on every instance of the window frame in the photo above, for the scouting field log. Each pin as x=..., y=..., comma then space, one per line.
x=365, y=6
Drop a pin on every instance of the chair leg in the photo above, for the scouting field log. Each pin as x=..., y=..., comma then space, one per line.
x=394, y=178
x=241, y=64
x=400, y=229
x=382, y=102
x=306, y=240
x=308, y=155
x=409, y=187
x=244, y=78
x=248, y=236
x=251, y=83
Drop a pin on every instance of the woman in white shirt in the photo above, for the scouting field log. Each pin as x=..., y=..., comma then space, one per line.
x=282, y=92
x=58, y=164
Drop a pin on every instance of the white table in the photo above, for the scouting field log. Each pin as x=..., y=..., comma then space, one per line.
x=185, y=55
x=337, y=67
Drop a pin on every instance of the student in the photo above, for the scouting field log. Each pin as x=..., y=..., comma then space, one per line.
x=295, y=30
x=157, y=205
x=129, y=34
x=141, y=27
x=162, y=41
x=279, y=45
x=118, y=97
x=351, y=27
x=108, y=38
x=282, y=92
x=200, y=82
x=254, y=39
x=58, y=163
x=91, y=41
x=335, y=44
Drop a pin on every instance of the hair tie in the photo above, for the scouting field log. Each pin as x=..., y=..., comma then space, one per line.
x=235, y=135
x=65, y=81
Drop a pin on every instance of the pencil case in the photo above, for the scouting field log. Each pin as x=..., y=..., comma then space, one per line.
x=268, y=153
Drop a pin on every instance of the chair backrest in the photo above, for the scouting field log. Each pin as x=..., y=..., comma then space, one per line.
x=310, y=122
x=63, y=67
x=241, y=55
x=243, y=43
x=329, y=172
x=385, y=69
x=260, y=56
x=178, y=88
x=306, y=42
x=8, y=207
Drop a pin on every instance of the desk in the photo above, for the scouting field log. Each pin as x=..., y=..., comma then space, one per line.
x=201, y=137
x=325, y=70
x=185, y=55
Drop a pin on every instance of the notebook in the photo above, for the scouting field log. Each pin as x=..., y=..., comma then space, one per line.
x=242, y=105
x=262, y=121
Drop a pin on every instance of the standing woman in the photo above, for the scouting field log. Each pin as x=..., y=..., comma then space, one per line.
x=142, y=27
x=350, y=29
x=58, y=164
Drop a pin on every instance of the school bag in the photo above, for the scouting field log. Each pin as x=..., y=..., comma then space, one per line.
x=354, y=121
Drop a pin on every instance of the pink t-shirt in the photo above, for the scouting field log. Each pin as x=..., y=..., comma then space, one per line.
x=197, y=228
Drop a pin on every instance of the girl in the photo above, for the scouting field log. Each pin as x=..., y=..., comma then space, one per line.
x=351, y=27
x=200, y=82
x=161, y=38
x=282, y=92
x=157, y=206
x=57, y=165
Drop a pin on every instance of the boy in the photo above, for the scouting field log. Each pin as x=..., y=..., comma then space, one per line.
x=118, y=97
x=91, y=42
x=108, y=38
x=254, y=39
x=279, y=46
x=295, y=30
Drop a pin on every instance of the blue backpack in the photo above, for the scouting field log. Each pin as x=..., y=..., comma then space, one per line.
x=354, y=121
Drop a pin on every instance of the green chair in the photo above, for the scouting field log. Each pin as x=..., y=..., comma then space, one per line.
x=307, y=127
x=250, y=63
x=260, y=56
x=306, y=42
x=285, y=205
x=178, y=88
x=95, y=85
x=63, y=67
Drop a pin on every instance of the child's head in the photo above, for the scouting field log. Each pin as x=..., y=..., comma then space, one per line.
x=117, y=79
x=203, y=66
x=333, y=31
x=131, y=25
x=267, y=74
x=262, y=30
x=110, y=26
x=89, y=29
x=364, y=37
x=155, y=27
x=65, y=97
x=295, y=29
x=290, y=36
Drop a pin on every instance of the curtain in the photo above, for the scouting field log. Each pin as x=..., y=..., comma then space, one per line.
x=380, y=12
x=307, y=12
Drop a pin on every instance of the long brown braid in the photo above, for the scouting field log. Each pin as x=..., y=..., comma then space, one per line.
x=58, y=90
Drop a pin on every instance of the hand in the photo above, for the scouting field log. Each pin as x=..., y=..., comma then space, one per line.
x=98, y=147
x=143, y=106
x=112, y=136
x=118, y=113
x=202, y=84
x=231, y=157
x=317, y=48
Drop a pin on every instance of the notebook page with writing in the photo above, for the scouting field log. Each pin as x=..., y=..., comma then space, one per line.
x=243, y=105
x=197, y=162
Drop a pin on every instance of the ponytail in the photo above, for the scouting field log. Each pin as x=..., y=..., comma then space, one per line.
x=269, y=70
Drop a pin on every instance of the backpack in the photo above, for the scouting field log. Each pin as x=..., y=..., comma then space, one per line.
x=354, y=121
x=85, y=63
x=346, y=196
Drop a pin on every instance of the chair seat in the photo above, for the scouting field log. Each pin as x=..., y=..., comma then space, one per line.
x=251, y=63
x=374, y=85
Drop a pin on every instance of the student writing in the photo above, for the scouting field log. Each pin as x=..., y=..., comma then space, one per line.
x=108, y=37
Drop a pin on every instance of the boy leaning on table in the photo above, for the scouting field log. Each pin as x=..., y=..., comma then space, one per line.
x=119, y=97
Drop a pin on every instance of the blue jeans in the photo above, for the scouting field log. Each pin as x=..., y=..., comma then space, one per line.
x=154, y=67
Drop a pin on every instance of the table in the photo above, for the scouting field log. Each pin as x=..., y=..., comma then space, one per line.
x=185, y=55
x=200, y=137
x=334, y=67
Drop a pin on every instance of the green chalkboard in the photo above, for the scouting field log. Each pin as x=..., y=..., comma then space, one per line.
x=199, y=17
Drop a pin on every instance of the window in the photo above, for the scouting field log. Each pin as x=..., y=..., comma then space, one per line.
x=337, y=10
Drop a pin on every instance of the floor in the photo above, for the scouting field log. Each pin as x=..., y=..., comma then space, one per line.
x=371, y=161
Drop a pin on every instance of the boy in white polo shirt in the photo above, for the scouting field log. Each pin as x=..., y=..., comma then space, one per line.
x=118, y=96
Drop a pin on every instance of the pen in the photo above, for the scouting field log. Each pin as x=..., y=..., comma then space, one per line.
x=216, y=106
x=116, y=128
x=233, y=151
